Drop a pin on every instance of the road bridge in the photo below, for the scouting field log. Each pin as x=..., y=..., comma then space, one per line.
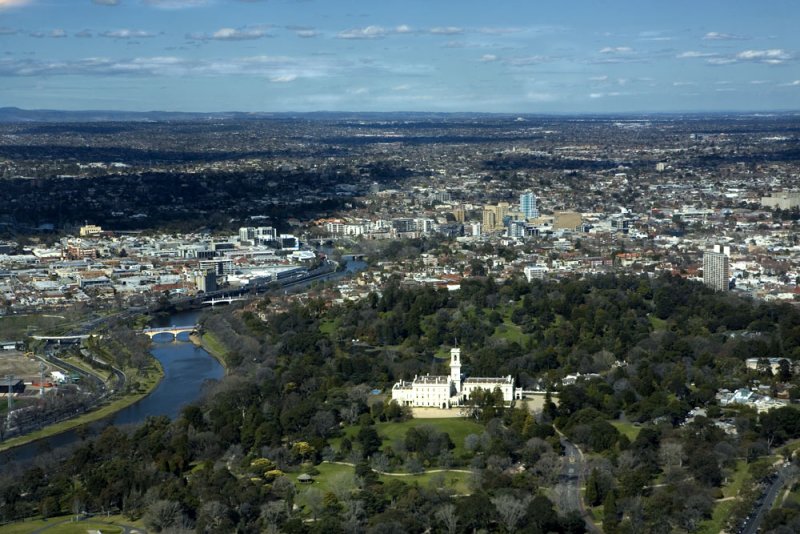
x=223, y=300
x=174, y=330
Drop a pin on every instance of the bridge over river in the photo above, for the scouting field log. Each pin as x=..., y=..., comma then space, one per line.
x=174, y=330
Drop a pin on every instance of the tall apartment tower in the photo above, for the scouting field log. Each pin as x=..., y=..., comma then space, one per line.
x=527, y=205
x=716, y=268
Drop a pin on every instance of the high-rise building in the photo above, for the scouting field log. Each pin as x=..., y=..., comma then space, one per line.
x=716, y=268
x=527, y=205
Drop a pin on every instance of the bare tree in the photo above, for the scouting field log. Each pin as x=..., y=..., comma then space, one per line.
x=162, y=515
x=448, y=517
x=314, y=501
x=671, y=454
x=511, y=510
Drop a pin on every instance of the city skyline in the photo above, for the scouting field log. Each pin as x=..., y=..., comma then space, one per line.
x=513, y=57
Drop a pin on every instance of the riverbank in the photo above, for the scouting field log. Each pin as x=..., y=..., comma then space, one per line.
x=102, y=411
x=208, y=342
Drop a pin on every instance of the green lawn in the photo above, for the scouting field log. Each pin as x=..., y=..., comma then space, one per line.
x=65, y=525
x=627, y=429
x=18, y=326
x=213, y=346
x=510, y=332
x=722, y=510
x=327, y=327
x=656, y=323
x=457, y=428
x=333, y=476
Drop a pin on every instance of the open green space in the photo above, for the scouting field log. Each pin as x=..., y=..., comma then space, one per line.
x=17, y=327
x=327, y=327
x=213, y=346
x=510, y=332
x=627, y=429
x=333, y=477
x=458, y=428
x=723, y=509
x=656, y=323
x=67, y=525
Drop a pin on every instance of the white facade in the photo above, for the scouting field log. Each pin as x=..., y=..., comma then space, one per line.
x=448, y=391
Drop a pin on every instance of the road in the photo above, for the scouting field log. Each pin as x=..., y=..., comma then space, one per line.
x=571, y=480
x=764, y=504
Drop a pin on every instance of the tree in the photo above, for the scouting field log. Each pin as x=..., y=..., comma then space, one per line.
x=369, y=440
x=511, y=510
x=448, y=517
x=163, y=515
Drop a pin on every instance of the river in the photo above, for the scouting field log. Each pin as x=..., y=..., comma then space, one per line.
x=186, y=368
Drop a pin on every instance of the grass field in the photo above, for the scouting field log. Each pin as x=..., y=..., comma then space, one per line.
x=722, y=509
x=19, y=326
x=338, y=477
x=213, y=346
x=65, y=525
x=510, y=332
x=457, y=428
x=627, y=429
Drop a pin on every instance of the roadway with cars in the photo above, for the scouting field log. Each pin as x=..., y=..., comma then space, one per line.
x=784, y=475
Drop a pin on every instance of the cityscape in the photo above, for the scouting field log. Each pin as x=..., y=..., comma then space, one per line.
x=285, y=267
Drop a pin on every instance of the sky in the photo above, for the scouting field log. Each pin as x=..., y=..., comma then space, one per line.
x=508, y=56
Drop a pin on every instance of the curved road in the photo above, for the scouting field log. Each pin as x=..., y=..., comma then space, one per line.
x=571, y=479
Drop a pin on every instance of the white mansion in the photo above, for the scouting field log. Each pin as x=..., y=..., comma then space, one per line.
x=448, y=391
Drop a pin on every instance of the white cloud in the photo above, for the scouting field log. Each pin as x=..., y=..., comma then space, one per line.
x=232, y=34
x=602, y=78
x=369, y=32
x=403, y=28
x=278, y=69
x=772, y=56
x=55, y=34
x=14, y=3
x=488, y=58
x=616, y=50
x=127, y=34
x=694, y=54
x=84, y=34
x=446, y=30
x=683, y=84
x=795, y=83
x=106, y=2
x=283, y=78
x=719, y=36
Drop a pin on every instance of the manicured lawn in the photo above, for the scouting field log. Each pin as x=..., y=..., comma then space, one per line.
x=457, y=481
x=327, y=327
x=214, y=347
x=722, y=510
x=627, y=429
x=510, y=332
x=65, y=525
x=656, y=323
x=457, y=428
x=336, y=476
